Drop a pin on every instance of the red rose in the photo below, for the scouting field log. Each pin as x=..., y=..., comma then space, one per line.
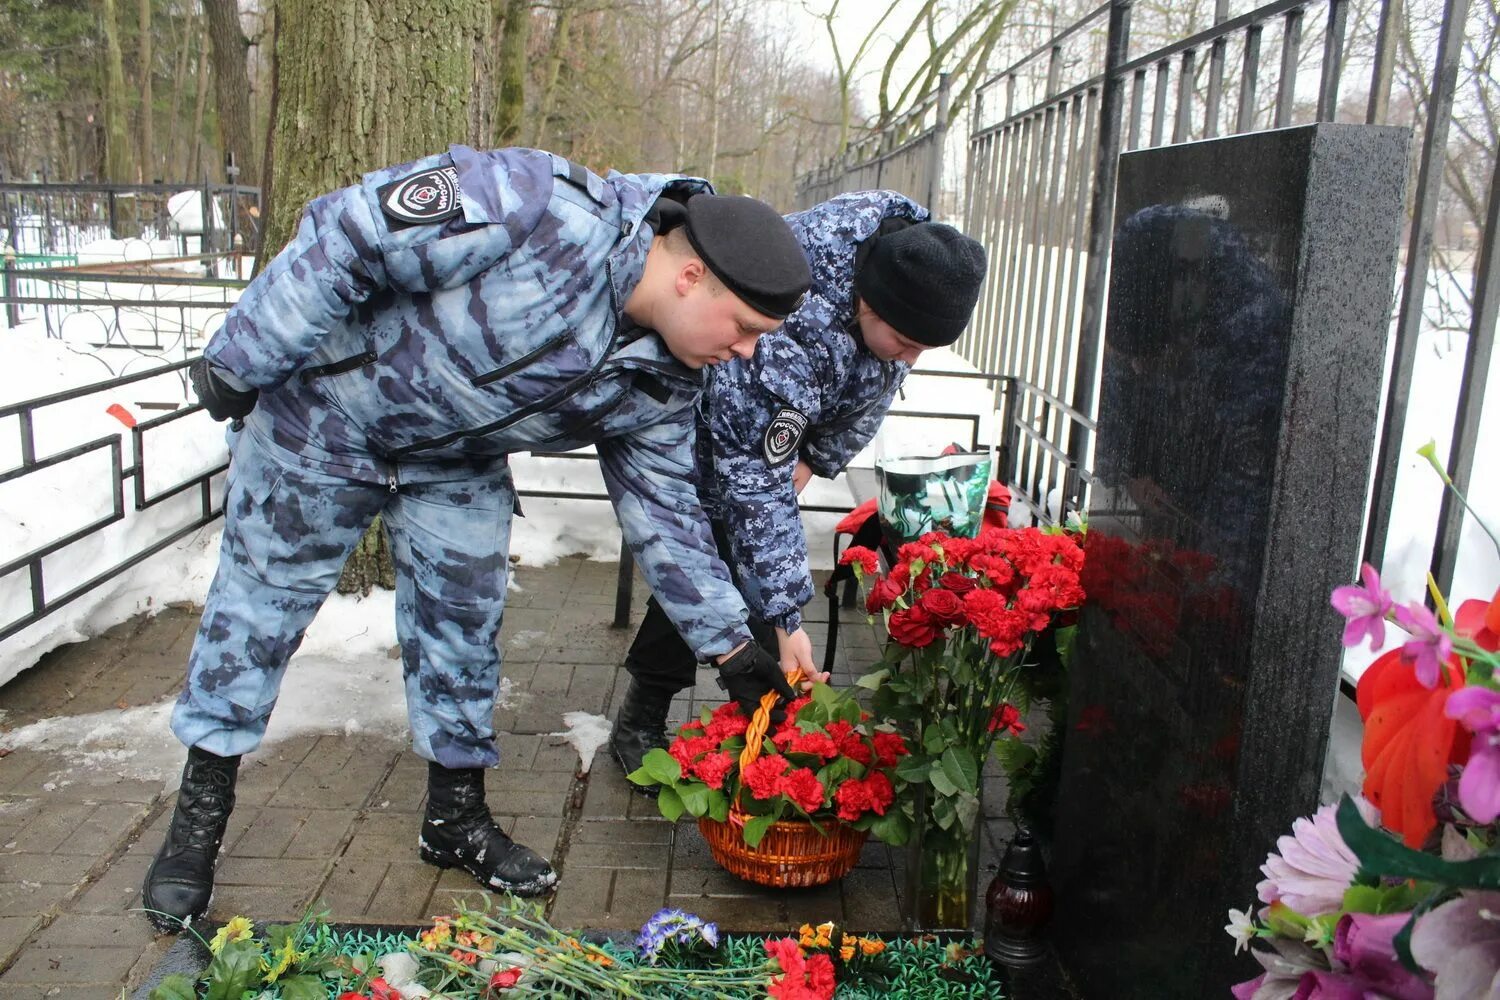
x=763, y=775
x=713, y=768
x=914, y=628
x=959, y=583
x=804, y=789
x=1006, y=718
x=885, y=593
x=944, y=605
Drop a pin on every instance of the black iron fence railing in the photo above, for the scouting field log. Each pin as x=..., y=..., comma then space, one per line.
x=50, y=218
x=906, y=157
x=1047, y=136
x=199, y=494
x=187, y=503
x=152, y=305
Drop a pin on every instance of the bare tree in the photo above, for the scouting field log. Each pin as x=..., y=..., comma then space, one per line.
x=232, y=87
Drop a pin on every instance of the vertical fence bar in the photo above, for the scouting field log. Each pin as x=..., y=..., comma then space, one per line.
x=1137, y=108
x=1069, y=209
x=1184, y=123
x=1216, y=57
x=939, y=140
x=1101, y=224
x=1414, y=289
x=1471, y=392
x=1249, y=76
x=1159, y=102
x=1088, y=162
x=1385, y=61
x=1014, y=209
x=1333, y=57
x=12, y=308
x=1291, y=47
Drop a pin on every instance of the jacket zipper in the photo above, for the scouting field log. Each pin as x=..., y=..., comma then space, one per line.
x=521, y=362
x=566, y=391
x=339, y=367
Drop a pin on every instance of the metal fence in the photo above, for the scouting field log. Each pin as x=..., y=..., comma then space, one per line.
x=907, y=157
x=49, y=218
x=1040, y=195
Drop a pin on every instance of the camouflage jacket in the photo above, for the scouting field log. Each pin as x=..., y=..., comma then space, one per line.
x=439, y=315
x=812, y=391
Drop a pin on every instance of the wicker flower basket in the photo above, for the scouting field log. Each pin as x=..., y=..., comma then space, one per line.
x=792, y=854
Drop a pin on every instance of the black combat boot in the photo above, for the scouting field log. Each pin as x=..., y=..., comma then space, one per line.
x=180, y=881
x=459, y=832
x=640, y=726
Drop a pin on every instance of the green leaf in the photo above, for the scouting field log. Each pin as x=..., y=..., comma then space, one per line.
x=303, y=988
x=1384, y=899
x=872, y=682
x=1015, y=756
x=718, y=806
x=940, y=781
x=944, y=813
x=961, y=769
x=175, y=987
x=932, y=740
x=694, y=797
x=893, y=828
x=670, y=803
x=1382, y=855
x=640, y=777
x=756, y=827
x=913, y=769
x=967, y=808
x=1063, y=638
x=662, y=766
x=233, y=971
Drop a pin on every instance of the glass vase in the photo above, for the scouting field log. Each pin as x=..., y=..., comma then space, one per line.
x=942, y=873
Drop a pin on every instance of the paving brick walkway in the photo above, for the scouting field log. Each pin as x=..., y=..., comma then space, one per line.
x=331, y=820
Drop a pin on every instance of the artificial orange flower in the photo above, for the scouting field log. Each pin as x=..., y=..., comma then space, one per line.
x=1408, y=742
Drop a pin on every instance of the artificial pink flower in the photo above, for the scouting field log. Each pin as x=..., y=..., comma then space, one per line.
x=1429, y=645
x=1365, y=943
x=1460, y=941
x=1478, y=709
x=1366, y=607
x=1315, y=866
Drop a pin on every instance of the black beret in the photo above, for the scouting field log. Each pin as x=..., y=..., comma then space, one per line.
x=923, y=280
x=751, y=250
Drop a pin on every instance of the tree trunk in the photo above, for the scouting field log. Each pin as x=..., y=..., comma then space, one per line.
x=510, y=103
x=147, y=160
x=555, y=49
x=359, y=87
x=232, y=88
x=117, y=136
x=195, y=149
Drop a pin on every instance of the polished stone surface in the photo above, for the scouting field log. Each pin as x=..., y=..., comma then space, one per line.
x=1250, y=294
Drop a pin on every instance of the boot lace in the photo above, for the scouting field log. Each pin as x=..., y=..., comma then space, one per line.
x=205, y=805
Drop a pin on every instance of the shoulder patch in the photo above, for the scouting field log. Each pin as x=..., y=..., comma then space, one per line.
x=421, y=198
x=783, y=435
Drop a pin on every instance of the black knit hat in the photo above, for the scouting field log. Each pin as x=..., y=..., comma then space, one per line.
x=923, y=280
x=751, y=249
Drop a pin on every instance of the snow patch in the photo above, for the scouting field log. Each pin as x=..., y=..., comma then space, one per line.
x=586, y=733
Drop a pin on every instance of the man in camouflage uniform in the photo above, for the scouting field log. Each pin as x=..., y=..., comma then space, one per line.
x=422, y=325
x=887, y=284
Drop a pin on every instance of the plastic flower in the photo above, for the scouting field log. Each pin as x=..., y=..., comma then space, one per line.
x=1478, y=709
x=1365, y=606
x=1241, y=927
x=1460, y=941
x=505, y=979
x=1007, y=719
x=434, y=939
x=1429, y=645
x=281, y=960
x=236, y=930
x=1315, y=866
x=1364, y=943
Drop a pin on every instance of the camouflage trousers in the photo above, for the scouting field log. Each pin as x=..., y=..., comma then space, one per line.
x=287, y=534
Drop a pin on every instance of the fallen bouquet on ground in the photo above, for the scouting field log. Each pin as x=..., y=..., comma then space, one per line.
x=510, y=950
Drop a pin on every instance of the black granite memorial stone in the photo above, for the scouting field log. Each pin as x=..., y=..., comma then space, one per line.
x=1249, y=302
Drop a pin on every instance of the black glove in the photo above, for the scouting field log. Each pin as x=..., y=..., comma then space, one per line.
x=222, y=401
x=749, y=674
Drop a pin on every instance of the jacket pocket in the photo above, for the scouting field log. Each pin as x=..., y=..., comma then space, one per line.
x=309, y=375
x=519, y=363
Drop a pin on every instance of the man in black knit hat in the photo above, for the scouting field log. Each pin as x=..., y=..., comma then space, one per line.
x=887, y=284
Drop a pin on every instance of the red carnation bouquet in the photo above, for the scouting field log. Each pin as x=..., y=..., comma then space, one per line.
x=962, y=614
x=824, y=763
